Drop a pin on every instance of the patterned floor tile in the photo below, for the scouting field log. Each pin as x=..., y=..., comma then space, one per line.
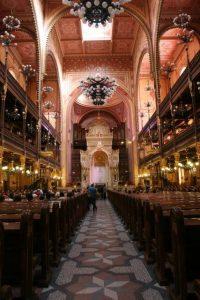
x=102, y=264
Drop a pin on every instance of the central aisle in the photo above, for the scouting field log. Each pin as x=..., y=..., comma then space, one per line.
x=103, y=264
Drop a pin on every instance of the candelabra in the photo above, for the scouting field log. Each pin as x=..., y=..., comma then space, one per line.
x=148, y=105
x=7, y=38
x=142, y=116
x=45, y=91
x=48, y=105
x=168, y=69
x=182, y=21
x=28, y=72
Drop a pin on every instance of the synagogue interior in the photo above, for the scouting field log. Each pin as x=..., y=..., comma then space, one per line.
x=99, y=149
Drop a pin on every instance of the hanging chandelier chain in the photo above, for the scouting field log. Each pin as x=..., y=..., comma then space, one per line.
x=98, y=89
x=96, y=11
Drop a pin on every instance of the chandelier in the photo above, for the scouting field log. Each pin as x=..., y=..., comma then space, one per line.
x=96, y=11
x=13, y=114
x=31, y=127
x=48, y=104
x=182, y=20
x=11, y=24
x=98, y=89
x=28, y=71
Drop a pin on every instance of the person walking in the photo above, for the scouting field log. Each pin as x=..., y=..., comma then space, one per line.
x=104, y=192
x=92, y=196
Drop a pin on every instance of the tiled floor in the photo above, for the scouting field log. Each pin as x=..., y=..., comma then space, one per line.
x=102, y=264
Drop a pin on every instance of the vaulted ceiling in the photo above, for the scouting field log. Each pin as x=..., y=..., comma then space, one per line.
x=171, y=8
x=26, y=37
x=122, y=41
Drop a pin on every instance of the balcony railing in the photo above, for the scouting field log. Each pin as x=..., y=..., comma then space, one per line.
x=15, y=89
x=178, y=88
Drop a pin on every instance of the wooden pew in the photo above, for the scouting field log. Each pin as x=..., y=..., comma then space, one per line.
x=163, y=245
x=55, y=235
x=63, y=225
x=5, y=290
x=197, y=288
x=18, y=254
x=185, y=252
x=41, y=241
x=152, y=226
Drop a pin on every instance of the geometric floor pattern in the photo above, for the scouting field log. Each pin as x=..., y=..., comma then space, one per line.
x=102, y=264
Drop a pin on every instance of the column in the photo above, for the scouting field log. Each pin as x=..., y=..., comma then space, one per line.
x=22, y=178
x=1, y=171
x=134, y=167
x=162, y=171
x=198, y=162
x=36, y=168
x=176, y=166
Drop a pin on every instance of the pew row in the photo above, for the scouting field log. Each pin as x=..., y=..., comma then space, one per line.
x=50, y=229
x=148, y=218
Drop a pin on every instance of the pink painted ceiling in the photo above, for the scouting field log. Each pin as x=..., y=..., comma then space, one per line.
x=124, y=27
x=116, y=111
x=114, y=100
x=123, y=36
x=52, y=5
x=20, y=6
x=95, y=116
x=25, y=39
x=98, y=47
x=27, y=52
x=69, y=29
x=72, y=46
x=145, y=65
x=172, y=8
x=20, y=9
x=114, y=106
x=50, y=66
x=169, y=45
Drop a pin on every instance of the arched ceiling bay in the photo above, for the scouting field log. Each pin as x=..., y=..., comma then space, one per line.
x=113, y=100
x=93, y=117
x=25, y=37
x=172, y=8
x=117, y=111
x=123, y=33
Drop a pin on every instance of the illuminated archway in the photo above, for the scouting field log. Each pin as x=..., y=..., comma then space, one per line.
x=99, y=171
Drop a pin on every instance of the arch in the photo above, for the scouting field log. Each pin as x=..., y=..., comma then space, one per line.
x=67, y=125
x=51, y=54
x=144, y=79
x=124, y=96
x=94, y=112
x=97, y=151
x=156, y=37
x=69, y=98
x=168, y=47
x=61, y=11
x=102, y=165
x=39, y=48
x=156, y=51
x=167, y=27
x=53, y=57
x=28, y=49
x=145, y=50
x=13, y=72
x=56, y=82
x=139, y=17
